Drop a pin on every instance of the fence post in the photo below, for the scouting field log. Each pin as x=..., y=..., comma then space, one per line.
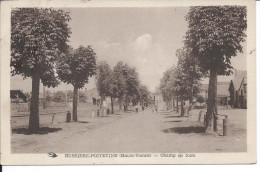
x=215, y=122
x=225, y=126
x=205, y=116
x=199, y=116
x=52, y=118
x=68, y=119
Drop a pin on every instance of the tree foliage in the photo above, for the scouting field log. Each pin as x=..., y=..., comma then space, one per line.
x=189, y=73
x=201, y=99
x=122, y=83
x=119, y=80
x=144, y=93
x=132, y=82
x=215, y=35
x=59, y=96
x=77, y=66
x=38, y=38
x=167, y=83
x=105, y=79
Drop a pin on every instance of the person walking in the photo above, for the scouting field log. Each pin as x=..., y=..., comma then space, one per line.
x=156, y=109
x=136, y=108
x=143, y=109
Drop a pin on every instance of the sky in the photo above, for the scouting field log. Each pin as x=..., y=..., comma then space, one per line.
x=146, y=38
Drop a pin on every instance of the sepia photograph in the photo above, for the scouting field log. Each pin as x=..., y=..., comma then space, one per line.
x=129, y=82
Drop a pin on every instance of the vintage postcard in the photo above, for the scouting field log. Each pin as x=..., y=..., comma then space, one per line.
x=128, y=82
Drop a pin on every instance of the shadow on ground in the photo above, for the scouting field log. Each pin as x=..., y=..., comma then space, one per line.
x=172, y=121
x=175, y=117
x=129, y=111
x=104, y=116
x=43, y=130
x=164, y=113
x=86, y=122
x=184, y=130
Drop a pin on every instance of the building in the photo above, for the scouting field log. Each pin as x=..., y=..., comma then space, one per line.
x=92, y=96
x=238, y=90
x=222, y=92
x=17, y=96
x=233, y=93
x=157, y=100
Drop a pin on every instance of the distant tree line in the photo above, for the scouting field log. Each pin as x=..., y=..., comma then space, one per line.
x=60, y=96
x=182, y=82
x=121, y=83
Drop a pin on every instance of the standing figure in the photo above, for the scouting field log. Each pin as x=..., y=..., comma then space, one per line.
x=136, y=108
x=156, y=109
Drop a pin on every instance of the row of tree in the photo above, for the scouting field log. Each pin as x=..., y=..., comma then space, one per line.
x=40, y=50
x=121, y=83
x=214, y=35
x=181, y=82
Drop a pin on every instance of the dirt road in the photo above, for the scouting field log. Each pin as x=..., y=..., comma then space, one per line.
x=144, y=132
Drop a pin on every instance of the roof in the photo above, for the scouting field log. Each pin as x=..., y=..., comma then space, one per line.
x=222, y=88
x=244, y=82
x=14, y=94
x=240, y=75
x=93, y=93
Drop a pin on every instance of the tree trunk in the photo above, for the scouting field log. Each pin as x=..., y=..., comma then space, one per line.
x=44, y=99
x=212, y=100
x=173, y=103
x=112, y=106
x=182, y=108
x=75, y=103
x=34, y=108
x=191, y=99
x=127, y=102
x=177, y=104
x=215, y=127
x=120, y=103
x=191, y=94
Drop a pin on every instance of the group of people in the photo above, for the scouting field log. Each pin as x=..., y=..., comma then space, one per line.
x=137, y=108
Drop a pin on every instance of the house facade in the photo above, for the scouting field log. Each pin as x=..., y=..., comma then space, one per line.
x=238, y=90
x=92, y=96
x=233, y=93
x=157, y=100
x=223, y=96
